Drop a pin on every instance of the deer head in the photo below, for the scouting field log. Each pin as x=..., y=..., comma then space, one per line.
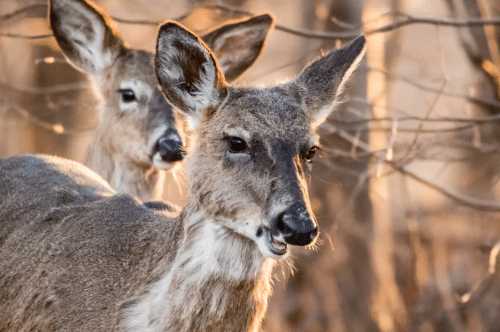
x=137, y=124
x=253, y=147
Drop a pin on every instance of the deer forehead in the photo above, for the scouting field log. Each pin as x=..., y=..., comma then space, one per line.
x=266, y=115
x=135, y=65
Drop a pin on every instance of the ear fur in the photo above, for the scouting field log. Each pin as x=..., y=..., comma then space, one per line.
x=188, y=73
x=85, y=34
x=323, y=80
x=237, y=45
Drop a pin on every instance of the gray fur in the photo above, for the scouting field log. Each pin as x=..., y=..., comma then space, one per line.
x=322, y=81
x=85, y=33
x=74, y=251
x=278, y=122
x=123, y=147
x=78, y=257
x=238, y=44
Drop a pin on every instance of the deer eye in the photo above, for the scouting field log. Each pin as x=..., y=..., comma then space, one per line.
x=236, y=144
x=309, y=155
x=127, y=95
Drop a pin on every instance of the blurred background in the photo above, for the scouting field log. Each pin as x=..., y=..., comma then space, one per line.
x=406, y=189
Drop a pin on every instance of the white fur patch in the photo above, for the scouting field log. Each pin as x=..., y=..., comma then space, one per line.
x=237, y=132
x=158, y=163
x=209, y=255
x=248, y=228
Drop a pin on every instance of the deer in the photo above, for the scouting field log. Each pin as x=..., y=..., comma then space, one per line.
x=78, y=256
x=138, y=138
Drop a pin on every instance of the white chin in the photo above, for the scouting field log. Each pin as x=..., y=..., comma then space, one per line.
x=271, y=246
x=158, y=163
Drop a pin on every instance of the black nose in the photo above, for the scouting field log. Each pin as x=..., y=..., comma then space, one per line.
x=170, y=150
x=296, y=225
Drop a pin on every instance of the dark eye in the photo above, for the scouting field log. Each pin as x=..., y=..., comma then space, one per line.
x=127, y=95
x=236, y=144
x=309, y=155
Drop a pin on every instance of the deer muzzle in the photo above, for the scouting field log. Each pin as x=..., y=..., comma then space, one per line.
x=296, y=225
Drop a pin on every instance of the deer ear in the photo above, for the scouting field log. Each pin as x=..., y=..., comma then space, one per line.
x=322, y=81
x=237, y=45
x=85, y=34
x=188, y=73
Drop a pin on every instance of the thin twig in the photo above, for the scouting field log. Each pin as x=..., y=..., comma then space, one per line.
x=460, y=198
x=37, y=10
x=410, y=118
x=400, y=20
x=483, y=102
x=29, y=10
x=55, y=128
x=474, y=100
x=406, y=19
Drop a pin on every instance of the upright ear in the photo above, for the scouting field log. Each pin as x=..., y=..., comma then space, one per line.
x=85, y=34
x=323, y=80
x=238, y=44
x=187, y=71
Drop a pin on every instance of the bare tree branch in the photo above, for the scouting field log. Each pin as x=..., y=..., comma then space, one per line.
x=465, y=200
x=475, y=100
x=406, y=19
x=483, y=102
x=410, y=118
x=37, y=10
x=399, y=20
x=55, y=128
x=482, y=287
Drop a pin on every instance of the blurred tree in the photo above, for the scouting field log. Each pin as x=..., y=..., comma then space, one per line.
x=480, y=169
x=69, y=111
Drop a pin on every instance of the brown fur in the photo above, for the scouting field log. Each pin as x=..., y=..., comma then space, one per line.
x=60, y=270
x=278, y=121
x=124, y=143
x=77, y=257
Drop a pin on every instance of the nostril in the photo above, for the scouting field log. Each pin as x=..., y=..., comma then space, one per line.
x=170, y=150
x=296, y=226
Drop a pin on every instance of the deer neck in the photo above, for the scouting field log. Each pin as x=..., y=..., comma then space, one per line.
x=141, y=181
x=219, y=281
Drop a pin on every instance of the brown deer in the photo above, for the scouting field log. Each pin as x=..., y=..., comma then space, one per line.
x=137, y=137
x=77, y=257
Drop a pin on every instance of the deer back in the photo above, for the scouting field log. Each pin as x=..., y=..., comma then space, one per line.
x=73, y=251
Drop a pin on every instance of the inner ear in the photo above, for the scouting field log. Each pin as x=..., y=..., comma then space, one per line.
x=237, y=45
x=187, y=71
x=85, y=34
x=191, y=62
x=322, y=81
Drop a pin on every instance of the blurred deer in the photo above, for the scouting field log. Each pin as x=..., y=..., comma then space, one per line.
x=137, y=137
x=76, y=257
